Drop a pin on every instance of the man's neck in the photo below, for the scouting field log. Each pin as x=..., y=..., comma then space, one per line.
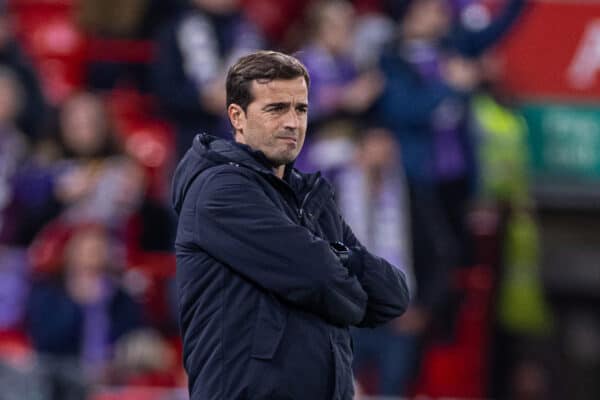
x=279, y=171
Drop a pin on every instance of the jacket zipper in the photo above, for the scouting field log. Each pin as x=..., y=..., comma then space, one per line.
x=307, y=197
x=288, y=188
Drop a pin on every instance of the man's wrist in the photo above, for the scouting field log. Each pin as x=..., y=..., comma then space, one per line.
x=351, y=258
x=341, y=251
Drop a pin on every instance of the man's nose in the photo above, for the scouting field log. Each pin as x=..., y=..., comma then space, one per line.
x=292, y=120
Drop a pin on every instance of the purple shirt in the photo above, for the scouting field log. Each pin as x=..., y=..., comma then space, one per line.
x=14, y=287
x=448, y=151
x=328, y=74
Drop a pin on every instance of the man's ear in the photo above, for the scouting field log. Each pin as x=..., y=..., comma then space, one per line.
x=237, y=117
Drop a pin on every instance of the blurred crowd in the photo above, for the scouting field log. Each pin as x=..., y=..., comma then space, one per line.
x=408, y=119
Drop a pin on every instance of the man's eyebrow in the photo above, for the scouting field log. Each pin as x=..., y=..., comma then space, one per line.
x=279, y=104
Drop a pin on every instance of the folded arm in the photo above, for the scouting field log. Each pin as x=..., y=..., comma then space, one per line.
x=241, y=226
x=385, y=284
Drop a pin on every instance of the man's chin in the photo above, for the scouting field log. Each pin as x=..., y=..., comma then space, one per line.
x=283, y=160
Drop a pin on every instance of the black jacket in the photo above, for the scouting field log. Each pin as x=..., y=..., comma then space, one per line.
x=265, y=304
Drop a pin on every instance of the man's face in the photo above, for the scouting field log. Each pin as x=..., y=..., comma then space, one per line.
x=275, y=121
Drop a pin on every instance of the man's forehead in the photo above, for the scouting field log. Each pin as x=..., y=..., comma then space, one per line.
x=281, y=89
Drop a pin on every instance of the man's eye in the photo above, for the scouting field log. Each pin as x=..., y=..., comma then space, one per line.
x=276, y=108
x=302, y=110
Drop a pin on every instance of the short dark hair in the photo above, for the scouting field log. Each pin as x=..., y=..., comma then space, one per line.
x=262, y=66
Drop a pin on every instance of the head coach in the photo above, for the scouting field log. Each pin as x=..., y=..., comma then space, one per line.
x=269, y=276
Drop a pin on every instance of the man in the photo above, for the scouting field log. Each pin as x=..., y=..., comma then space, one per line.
x=270, y=277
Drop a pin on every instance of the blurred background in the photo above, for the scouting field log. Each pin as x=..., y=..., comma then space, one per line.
x=463, y=137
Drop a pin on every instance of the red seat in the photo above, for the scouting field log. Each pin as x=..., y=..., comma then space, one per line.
x=129, y=393
x=46, y=251
x=151, y=143
x=15, y=347
x=56, y=46
x=120, y=50
x=460, y=368
x=149, y=140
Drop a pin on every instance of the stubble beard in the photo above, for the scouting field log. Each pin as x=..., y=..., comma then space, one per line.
x=283, y=158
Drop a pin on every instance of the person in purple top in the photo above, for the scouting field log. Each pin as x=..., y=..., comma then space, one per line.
x=371, y=194
x=429, y=74
x=340, y=92
x=81, y=312
x=338, y=88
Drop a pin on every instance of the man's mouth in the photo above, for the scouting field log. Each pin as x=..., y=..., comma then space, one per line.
x=288, y=138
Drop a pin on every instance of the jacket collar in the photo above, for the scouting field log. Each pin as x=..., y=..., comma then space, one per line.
x=221, y=150
x=227, y=151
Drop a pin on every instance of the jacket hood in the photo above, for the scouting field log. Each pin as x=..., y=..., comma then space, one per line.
x=209, y=151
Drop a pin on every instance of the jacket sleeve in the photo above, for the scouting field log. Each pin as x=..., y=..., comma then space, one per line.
x=385, y=284
x=473, y=43
x=239, y=225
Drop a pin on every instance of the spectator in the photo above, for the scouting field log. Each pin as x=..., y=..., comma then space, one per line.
x=425, y=103
x=32, y=115
x=193, y=53
x=372, y=196
x=337, y=89
x=90, y=178
x=89, y=308
x=94, y=180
